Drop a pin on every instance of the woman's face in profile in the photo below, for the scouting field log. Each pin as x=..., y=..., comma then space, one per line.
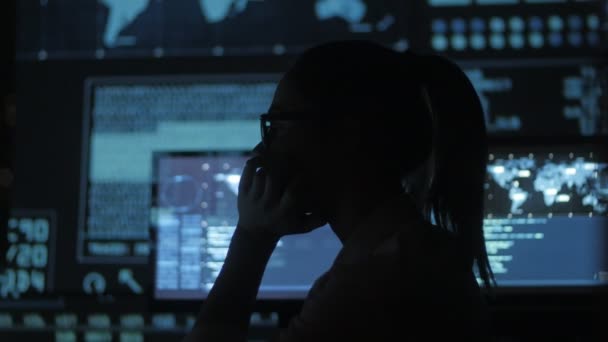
x=297, y=148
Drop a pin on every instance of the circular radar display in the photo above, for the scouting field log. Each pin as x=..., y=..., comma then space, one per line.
x=180, y=193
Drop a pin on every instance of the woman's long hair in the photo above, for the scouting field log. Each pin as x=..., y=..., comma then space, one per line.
x=458, y=162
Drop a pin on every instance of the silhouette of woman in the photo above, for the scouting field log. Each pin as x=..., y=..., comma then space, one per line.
x=388, y=148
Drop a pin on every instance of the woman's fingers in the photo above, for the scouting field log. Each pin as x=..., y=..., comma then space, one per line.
x=246, y=178
x=249, y=172
x=264, y=202
x=259, y=184
x=288, y=199
x=271, y=193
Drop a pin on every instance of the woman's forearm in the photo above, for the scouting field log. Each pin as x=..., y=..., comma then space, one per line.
x=226, y=313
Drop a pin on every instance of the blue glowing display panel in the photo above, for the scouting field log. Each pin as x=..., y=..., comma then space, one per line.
x=547, y=216
x=194, y=218
x=540, y=98
x=538, y=202
x=513, y=28
x=91, y=29
x=128, y=118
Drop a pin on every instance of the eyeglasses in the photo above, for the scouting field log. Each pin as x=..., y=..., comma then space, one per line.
x=267, y=119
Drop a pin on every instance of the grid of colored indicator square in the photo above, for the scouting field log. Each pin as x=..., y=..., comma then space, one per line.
x=515, y=32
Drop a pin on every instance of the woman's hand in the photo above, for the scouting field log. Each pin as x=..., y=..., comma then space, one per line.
x=264, y=208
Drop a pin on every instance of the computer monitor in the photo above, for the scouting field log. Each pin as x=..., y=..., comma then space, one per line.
x=126, y=120
x=194, y=197
x=103, y=29
x=546, y=220
x=547, y=215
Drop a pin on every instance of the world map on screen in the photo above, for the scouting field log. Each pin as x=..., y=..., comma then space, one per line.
x=124, y=12
x=577, y=184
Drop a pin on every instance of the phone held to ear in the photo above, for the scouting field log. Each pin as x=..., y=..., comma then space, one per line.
x=265, y=205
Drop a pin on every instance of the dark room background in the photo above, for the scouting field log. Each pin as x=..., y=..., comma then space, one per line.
x=134, y=118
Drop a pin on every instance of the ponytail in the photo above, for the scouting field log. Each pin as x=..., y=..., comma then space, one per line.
x=458, y=159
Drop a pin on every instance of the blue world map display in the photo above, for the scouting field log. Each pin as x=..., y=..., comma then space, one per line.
x=546, y=185
x=107, y=28
x=123, y=13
